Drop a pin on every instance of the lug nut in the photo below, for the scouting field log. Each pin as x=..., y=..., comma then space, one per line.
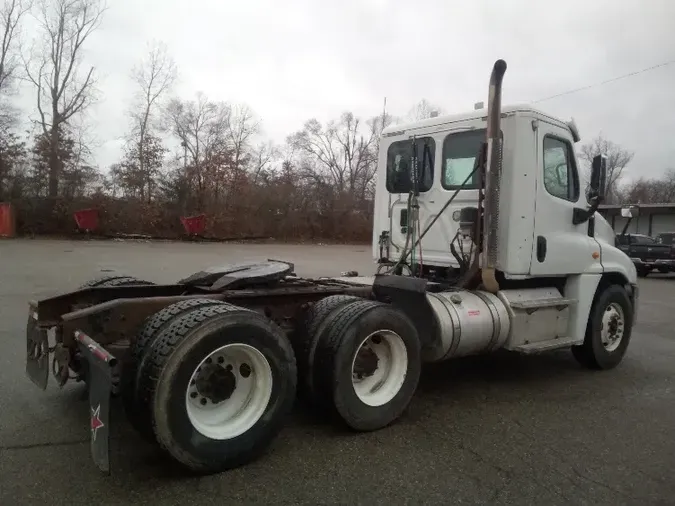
x=193, y=394
x=202, y=401
x=245, y=370
x=221, y=360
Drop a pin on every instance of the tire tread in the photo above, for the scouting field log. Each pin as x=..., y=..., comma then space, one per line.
x=327, y=345
x=138, y=412
x=305, y=338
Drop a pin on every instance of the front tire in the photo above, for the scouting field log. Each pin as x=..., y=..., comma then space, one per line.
x=608, y=331
x=194, y=373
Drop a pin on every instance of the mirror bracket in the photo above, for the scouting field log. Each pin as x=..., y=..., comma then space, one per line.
x=580, y=216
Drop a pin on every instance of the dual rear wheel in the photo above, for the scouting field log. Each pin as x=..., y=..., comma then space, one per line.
x=361, y=361
x=213, y=383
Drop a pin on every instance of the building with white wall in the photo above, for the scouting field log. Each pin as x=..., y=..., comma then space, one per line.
x=652, y=218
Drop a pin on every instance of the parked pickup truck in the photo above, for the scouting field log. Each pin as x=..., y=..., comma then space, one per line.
x=666, y=238
x=647, y=254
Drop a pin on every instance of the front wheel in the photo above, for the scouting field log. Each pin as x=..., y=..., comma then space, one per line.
x=608, y=332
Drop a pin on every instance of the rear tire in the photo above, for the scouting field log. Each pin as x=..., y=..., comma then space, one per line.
x=608, y=331
x=126, y=281
x=209, y=439
x=367, y=364
x=304, y=341
x=114, y=280
x=139, y=412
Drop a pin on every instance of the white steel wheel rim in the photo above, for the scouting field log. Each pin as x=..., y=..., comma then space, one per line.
x=384, y=383
x=613, y=324
x=231, y=417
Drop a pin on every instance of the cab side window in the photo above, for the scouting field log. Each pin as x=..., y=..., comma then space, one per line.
x=399, y=165
x=560, y=172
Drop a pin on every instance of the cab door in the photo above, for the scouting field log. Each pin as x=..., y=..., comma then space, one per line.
x=559, y=247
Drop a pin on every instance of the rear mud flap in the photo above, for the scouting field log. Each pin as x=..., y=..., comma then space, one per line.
x=37, y=351
x=100, y=377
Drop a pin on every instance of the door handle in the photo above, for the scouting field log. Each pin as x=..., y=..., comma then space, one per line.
x=541, y=248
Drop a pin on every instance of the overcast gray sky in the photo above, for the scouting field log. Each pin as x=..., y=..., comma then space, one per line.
x=296, y=59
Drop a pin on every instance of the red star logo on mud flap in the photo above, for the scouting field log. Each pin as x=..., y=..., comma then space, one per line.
x=96, y=422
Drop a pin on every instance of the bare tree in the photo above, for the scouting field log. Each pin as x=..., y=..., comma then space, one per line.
x=242, y=126
x=659, y=190
x=262, y=157
x=423, y=110
x=202, y=127
x=61, y=91
x=343, y=151
x=11, y=15
x=617, y=160
x=154, y=77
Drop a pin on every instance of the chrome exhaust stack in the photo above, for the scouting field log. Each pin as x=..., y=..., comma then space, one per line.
x=492, y=179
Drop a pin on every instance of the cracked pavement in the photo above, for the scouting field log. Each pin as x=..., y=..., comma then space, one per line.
x=497, y=429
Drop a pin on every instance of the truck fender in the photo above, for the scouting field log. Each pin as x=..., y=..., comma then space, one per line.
x=409, y=295
x=582, y=288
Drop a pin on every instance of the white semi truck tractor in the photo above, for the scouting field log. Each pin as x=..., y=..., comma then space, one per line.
x=485, y=238
x=532, y=264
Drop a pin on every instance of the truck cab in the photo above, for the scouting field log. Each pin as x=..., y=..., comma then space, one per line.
x=540, y=190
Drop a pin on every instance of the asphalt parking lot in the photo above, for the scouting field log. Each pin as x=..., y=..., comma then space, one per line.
x=498, y=429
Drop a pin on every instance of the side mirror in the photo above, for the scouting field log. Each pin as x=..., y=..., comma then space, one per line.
x=596, y=192
x=630, y=211
x=598, y=177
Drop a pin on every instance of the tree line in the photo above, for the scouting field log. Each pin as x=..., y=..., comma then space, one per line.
x=642, y=190
x=181, y=156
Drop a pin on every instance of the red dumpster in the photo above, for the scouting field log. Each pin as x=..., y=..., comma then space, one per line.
x=86, y=219
x=194, y=225
x=6, y=220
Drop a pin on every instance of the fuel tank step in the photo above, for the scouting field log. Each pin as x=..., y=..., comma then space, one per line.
x=553, y=302
x=552, y=344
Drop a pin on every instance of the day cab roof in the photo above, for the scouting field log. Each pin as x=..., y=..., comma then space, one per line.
x=480, y=114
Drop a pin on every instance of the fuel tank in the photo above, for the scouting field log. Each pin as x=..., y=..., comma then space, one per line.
x=468, y=323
